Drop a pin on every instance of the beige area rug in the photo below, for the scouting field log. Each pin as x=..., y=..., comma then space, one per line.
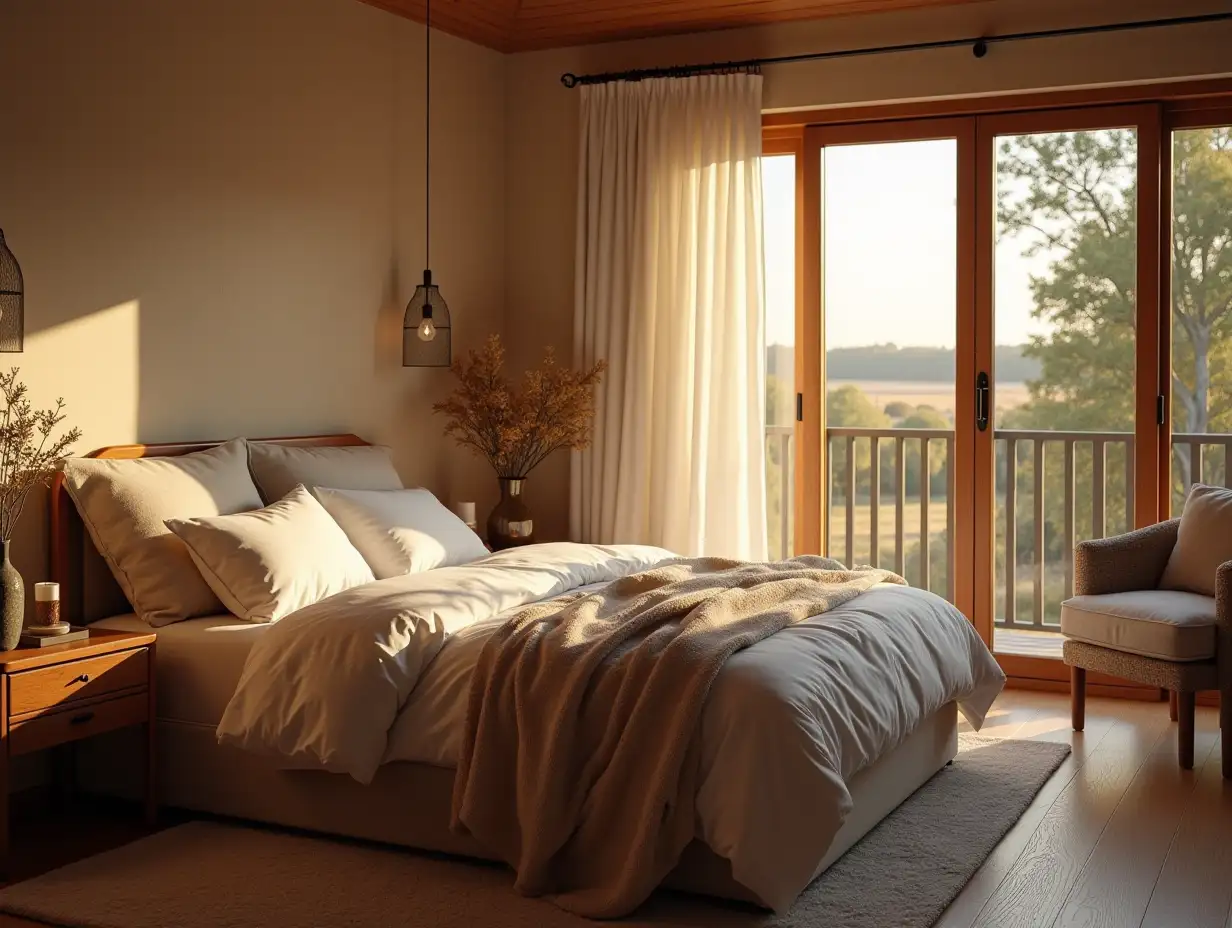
x=212, y=875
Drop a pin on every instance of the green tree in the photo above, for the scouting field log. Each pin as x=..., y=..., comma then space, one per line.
x=1202, y=280
x=1080, y=207
x=849, y=406
x=1073, y=196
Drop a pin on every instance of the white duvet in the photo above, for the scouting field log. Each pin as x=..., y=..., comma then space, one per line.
x=380, y=673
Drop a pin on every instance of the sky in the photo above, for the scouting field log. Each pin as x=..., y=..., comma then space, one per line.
x=890, y=249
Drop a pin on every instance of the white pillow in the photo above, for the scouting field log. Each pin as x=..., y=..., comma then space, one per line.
x=401, y=531
x=270, y=562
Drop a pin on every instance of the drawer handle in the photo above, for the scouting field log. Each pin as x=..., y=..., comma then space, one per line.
x=84, y=678
x=81, y=718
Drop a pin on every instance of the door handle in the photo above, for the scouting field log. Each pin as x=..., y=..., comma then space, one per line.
x=981, y=401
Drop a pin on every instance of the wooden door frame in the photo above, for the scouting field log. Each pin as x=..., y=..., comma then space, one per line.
x=1195, y=114
x=811, y=340
x=790, y=141
x=1146, y=120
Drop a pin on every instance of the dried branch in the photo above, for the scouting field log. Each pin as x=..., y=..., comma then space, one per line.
x=29, y=455
x=515, y=430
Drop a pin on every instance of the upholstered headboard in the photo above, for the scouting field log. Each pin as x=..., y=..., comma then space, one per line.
x=88, y=591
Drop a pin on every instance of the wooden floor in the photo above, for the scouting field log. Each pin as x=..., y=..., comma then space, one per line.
x=1120, y=837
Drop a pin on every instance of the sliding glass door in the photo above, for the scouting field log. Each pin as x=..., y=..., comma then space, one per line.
x=893, y=305
x=979, y=352
x=1070, y=400
x=1199, y=252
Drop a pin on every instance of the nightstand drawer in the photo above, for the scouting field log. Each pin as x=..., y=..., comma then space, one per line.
x=48, y=687
x=69, y=724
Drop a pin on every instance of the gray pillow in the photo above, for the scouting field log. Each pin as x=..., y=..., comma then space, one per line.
x=125, y=504
x=279, y=469
x=1203, y=541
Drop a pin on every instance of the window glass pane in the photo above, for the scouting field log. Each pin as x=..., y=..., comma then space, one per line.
x=1201, y=309
x=779, y=218
x=1065, y=306
x=890, y=284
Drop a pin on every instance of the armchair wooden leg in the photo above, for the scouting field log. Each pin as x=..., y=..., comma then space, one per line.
x=1078, y=697
x=1172, y=705
x=1185, y=732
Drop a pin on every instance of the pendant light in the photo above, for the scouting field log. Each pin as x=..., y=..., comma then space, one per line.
x=12, y=300
x=425, y=326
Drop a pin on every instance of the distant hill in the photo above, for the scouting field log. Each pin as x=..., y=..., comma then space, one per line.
x=889, y=362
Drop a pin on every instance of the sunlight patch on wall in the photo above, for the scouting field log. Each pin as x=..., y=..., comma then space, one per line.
x=94, y=363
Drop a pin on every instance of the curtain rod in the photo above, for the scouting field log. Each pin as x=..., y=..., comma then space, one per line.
x=979, y=47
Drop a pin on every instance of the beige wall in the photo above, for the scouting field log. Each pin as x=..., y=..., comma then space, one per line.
x=218, y=208
x=542, y=118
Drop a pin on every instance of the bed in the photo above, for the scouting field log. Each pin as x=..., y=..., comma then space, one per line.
x=201, y=661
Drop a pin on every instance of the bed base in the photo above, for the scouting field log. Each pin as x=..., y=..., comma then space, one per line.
x=408, y=804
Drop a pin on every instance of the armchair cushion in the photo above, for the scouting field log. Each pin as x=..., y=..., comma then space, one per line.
x=1165, y=624
x=1203, y=541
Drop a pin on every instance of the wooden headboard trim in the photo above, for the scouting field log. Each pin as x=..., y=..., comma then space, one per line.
x=68, y=537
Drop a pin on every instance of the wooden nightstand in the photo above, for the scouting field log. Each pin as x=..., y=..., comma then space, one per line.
x=62, y=693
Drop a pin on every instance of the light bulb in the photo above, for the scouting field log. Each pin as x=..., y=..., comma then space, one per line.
x=426, y=330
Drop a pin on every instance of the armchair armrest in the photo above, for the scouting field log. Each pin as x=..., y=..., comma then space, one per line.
x=1133, y=561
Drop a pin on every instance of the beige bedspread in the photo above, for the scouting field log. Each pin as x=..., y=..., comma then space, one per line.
x=578, y=761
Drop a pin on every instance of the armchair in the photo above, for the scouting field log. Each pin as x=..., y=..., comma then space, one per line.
x=1121, y=623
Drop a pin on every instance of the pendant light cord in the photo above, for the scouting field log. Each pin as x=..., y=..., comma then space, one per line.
x=428, y=137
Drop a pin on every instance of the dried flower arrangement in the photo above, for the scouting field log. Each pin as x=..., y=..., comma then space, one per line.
x=516, y=429
x=28, y=453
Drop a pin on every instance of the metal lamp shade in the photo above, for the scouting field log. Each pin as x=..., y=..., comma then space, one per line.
x=426, y=303
x=12, y=301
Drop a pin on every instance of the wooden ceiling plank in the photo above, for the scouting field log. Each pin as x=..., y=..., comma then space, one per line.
x=523, y=25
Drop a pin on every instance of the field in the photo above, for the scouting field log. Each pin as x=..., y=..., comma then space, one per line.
x=863, y=519
x=927, y=393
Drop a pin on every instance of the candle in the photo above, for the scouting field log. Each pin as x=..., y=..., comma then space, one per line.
x=47, y=603
x=466, y=512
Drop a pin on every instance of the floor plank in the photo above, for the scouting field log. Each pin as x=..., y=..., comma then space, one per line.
x=1035, y=891
x=1193, y=890
x=1114, y=888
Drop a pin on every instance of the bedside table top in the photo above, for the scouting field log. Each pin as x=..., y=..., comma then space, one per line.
x=99, y=642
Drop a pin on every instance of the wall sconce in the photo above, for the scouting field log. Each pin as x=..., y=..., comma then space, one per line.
x=12, y=301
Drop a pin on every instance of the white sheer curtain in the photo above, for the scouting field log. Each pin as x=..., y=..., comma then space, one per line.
x=669, y=292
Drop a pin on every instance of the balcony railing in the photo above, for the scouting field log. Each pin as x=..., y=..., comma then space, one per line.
x=1053, y=489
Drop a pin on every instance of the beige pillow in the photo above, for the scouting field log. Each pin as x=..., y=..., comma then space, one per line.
x=278, y=469
x=268, y=563
x=1203, y=541
x=125, y=503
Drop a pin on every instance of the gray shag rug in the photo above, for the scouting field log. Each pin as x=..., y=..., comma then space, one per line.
x=903, y=873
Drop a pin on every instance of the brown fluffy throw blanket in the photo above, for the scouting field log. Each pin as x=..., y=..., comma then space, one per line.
x=578, y=762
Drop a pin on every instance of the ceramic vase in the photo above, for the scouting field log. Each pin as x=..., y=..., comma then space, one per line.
x=510, y=523
x=12, y=603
